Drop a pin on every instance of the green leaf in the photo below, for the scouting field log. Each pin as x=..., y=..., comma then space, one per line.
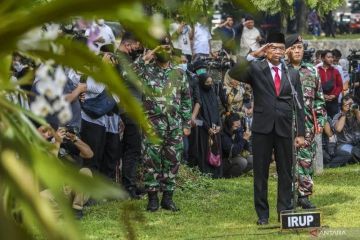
x=21, y=178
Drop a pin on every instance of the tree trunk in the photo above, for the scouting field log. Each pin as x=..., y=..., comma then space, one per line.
x=284, y=22
x=302, y=17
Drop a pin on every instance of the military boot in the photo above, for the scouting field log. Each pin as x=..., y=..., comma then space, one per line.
x=167, y=202
x=305, y=203
x=153, y=202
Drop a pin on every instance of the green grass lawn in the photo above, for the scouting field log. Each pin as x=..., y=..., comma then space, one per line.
x=223, y=209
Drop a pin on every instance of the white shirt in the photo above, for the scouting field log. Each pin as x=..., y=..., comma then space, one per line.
x=183, y=41
x=273, y=71
x=112, y=123
x=248, y=40
x=201, y=39
x=93, y=90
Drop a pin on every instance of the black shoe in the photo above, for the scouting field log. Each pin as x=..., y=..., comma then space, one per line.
x=132, y=194
x=167, y=202
x=153, y=202
x=262, y=221
x=91, y=202
x=78, y=214
x=140, y=191
x=305, y=203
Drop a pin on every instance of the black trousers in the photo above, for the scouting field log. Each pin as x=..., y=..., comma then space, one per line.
x=111, y=155
x=105, y=147
x=93, y=135
x=332, y=108
x=263, y=145
x=131, y=147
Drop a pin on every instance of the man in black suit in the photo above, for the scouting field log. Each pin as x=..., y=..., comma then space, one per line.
x=272, y=123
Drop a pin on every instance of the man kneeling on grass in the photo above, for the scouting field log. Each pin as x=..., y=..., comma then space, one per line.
x=68, y=146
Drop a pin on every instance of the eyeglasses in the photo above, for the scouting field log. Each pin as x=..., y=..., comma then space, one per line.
x=280, y=49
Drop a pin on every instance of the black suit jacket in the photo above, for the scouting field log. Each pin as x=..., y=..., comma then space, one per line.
x=271, y=110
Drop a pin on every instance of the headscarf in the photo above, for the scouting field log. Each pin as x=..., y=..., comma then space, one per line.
x=209, y=104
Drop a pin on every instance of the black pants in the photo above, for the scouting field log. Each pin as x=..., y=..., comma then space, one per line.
x=131, y=145
x=188, y=57
x=332, y=108
x=111, y=155
x=237, y=166
x=93, y=135
x=263, y=145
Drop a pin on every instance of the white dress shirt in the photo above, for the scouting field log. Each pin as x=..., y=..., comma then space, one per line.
x=273, y=71
x=201, y=39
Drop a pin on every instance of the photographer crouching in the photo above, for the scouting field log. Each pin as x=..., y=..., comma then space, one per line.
x=68, y=147
x=347, y=128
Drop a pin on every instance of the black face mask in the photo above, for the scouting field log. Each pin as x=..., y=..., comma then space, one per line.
x=206, y=87
x=162, y=56
x=135, y=54
x=236, y=130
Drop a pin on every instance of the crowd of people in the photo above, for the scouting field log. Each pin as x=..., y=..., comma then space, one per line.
x=205, y=115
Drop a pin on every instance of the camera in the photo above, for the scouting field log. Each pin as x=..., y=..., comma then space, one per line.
x=354, y=106
x=308, y=53
x=354, y=72
x=72, y=129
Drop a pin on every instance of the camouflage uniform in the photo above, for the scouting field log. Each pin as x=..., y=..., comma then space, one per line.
x=315, y=117
x=168, y=106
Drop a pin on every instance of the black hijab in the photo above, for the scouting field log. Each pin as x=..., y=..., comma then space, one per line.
x=209, y=104
x=229, y=120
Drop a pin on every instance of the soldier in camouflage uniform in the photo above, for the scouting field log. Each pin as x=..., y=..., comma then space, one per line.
x=315, y=117
x=168, y=106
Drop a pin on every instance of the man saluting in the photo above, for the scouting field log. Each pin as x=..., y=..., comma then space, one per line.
x=273, y=123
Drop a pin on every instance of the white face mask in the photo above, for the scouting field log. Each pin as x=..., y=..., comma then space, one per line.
x=183, y=66
x=18, y=66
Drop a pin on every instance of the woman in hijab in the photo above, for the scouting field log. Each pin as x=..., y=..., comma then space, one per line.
x=234, y=141
x=209, y=139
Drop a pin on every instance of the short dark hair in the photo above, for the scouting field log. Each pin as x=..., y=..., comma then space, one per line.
x=230, y=119
x=324, y=52
x=345, y=98
x=336, y=53
x=128, y=37
x=318, y=53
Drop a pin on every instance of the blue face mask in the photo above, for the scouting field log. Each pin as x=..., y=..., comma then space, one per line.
x=200, y=71
x=183, y=66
